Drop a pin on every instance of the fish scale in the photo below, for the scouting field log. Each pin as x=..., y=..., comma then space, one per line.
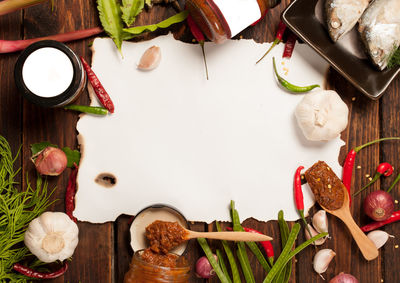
x=379, y=28
x=342, y=16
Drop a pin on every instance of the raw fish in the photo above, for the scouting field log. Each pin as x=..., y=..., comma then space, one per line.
x=379, y=28
x=342, y=16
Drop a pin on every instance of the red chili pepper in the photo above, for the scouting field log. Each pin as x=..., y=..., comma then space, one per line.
x=98, y=88
x=289, y=46
x=278, y=39
x=70, y=194
x=298, y=196
x=349, y=162
x=384, y=169
x=260, y=19
x=40, y=275
x=267, y=245
x=199, y=36
x=375, y=225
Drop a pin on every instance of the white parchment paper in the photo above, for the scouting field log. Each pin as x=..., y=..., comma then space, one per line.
x=179, y=139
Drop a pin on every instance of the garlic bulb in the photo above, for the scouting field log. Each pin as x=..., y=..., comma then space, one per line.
x=322, y=259
x=52, y=236
x=313, y=234
x=150, y=59
x=320, y=221
x=322, y=115
x=378, y=237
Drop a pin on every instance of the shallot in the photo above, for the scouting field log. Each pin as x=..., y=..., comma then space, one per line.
x=322, y=259
x=379, y=205
x=344, y=278
x=378, y=237
x=50, y=161
x=313, y=234
x=150, y=59
x=204, y=268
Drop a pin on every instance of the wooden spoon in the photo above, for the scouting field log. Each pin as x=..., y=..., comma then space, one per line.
x=229, y=236
x=366, y=246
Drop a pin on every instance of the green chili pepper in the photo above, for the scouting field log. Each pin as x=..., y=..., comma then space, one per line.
x=222, y=264
x=291, y=87
x=231, y=258
x=87, y=109
x=284, y=274
x=206, y=248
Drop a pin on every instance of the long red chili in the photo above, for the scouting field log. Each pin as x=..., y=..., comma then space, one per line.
x=298, y=196
x=260, y=19
x=40, y=275
x=199, y=36
x=350, y=159
x=267, y=245
x=70, y=194
x=278, y=38
x=98, y=88
x=289, y=46
x=384, y=169
x=375, y=225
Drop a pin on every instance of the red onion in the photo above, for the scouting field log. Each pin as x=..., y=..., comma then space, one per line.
x=344, y=278
x=51, y=161
x=204, y=268
x=379, y=205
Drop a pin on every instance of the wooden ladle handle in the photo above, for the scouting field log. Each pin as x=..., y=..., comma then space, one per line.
x=230, y=236
x=366, y=246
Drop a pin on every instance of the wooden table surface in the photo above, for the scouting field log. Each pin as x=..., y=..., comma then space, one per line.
x=103, y=253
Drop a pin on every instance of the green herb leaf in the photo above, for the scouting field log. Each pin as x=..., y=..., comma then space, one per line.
x=394, y=59
x=18, y=208
x=38, y=147
x=110, y=18
x=130, y=9
x=73, y=156
x=180, y=17
x=148, y=3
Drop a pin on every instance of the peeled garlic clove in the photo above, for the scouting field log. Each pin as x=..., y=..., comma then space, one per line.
x=150, y=59
x=378, y=237
x=314, y=233
x=320, y=221
x=322, y=259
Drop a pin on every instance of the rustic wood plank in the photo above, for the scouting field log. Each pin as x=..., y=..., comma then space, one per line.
x=10, y=100
x=92, y=260
x=390, y=126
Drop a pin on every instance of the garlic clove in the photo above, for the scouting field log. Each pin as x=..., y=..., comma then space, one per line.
x=322, y=259
x=320, y=221
x=150, y=59
x=314, y=233
x=379, y=238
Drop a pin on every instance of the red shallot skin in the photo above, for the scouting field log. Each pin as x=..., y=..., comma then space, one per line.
x=344, y=278
x=379, y=205
x=204, y=268
x=51, y=161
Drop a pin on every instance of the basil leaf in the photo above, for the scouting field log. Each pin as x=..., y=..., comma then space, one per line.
x=73, y=156
x=130, y=9
x=38, y=147
x=180, y=17
x=110, y=18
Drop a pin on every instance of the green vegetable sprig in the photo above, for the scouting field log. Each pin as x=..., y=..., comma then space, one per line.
x=17, y=208
x=113, y=16
x=180, y=17
x=130, y=9
x=394, y=59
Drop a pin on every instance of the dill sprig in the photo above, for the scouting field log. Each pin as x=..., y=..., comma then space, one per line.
x=394, y=59
x=17, y=209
